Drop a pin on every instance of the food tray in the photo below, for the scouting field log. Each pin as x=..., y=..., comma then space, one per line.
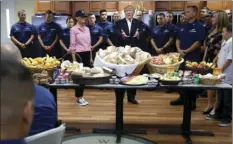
x=90, y=80
x=166, y=82
x=162, y=69
x=201, y=71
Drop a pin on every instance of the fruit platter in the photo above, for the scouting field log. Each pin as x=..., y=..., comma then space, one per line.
x=41, y=62
x=37, y=65
x=160, y=63
x=200, y=68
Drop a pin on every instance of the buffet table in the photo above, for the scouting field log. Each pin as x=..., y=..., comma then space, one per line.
x=119, y=93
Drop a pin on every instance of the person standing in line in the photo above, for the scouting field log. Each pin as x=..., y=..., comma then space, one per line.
x=213, y=45
x=188, y=44
x=169, y=18
x=80, y=43
x=65, y=36
x=112, y=39
x=107, y=27
x=48, y=36
x=96, y=34
x=128, y=31
x=145, y=37
x=229, y=14
x=172, y=27
x=22, y=35
x=116, y=17
x=17, y=96
x=182, y=19
x=224, y=108
x=162, y=36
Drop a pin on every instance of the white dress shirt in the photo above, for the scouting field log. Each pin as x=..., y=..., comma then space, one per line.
x=224, y=55
x=129, y=24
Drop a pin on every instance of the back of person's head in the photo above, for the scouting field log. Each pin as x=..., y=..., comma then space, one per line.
x=17, y=93
x=222, y=20
x=10, y=50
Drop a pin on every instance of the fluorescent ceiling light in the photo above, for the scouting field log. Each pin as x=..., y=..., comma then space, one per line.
x=8, y=22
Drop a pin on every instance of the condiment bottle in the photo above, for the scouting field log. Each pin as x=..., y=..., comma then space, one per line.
x=196, y=79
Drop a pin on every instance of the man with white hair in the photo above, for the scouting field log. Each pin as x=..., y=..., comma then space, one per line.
x=128, y=31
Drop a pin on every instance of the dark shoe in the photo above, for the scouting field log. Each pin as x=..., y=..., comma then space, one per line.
x=224, y=123
x=178, y=101
x=213, y=117
x=133, y=101
x=207, y=111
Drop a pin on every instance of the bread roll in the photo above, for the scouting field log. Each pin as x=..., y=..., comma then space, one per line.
x=99, y=75
x=110, y=49
x=78, y=73
x=129, y=59
x=96, y=70
x=86, y=70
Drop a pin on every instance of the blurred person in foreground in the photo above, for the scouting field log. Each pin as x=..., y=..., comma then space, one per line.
x=45, y=114
x=16, y=103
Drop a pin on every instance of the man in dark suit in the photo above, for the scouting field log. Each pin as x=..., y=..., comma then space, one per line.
x=128, y=31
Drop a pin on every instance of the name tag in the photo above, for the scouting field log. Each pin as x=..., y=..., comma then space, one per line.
x=192, y=31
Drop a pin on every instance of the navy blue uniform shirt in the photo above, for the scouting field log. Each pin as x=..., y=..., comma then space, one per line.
x=112, y=35
x=145, y=34
x=189, y=34
x=48, y=32
x=175, y=28
x=96, y=31
x=65, y=36
x=22, y=31
x=15, y=141
x=161, y=35
x=106, y=28
x=45, y=114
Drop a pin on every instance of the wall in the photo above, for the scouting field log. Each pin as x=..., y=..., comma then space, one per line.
x=28, y=6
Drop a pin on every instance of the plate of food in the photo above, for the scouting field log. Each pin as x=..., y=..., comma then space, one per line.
x=135, y=80
x=170, y=80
